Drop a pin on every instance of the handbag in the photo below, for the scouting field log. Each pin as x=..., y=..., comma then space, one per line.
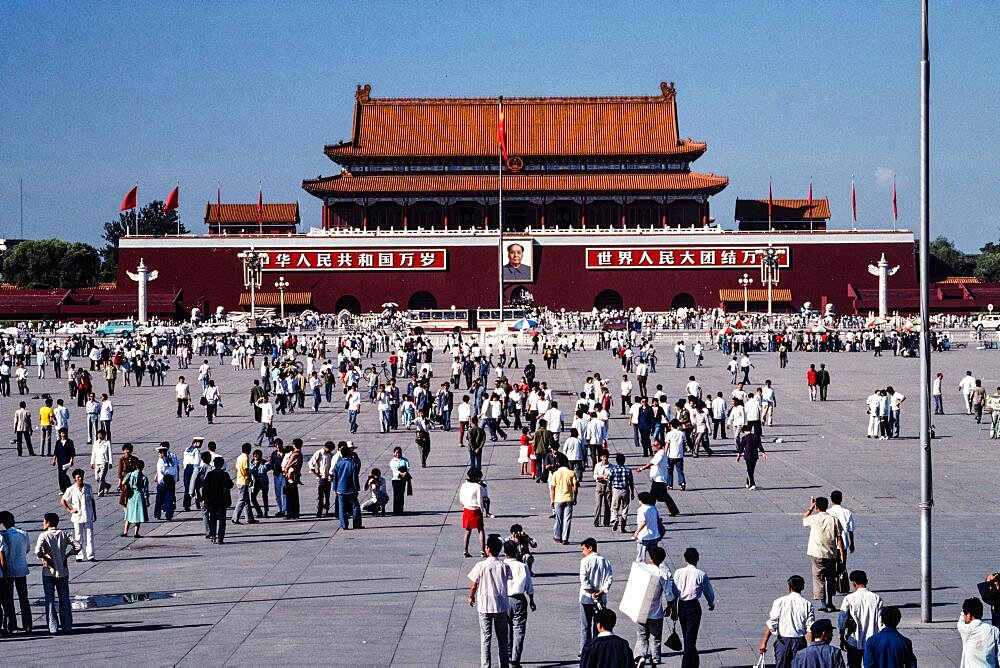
x=843, y=582
x=673, y=641
x=761, y=662
x=203, y=401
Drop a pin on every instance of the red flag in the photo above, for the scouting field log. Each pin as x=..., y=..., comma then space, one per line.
x=502, y=134
x=131, y=199
x=770, y=200
x=809, y=202
x=854, y=201
x=172, y=199
x=260, y=206
x=895, y=210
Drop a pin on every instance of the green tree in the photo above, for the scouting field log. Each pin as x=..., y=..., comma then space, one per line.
x=153, y=222
x=955, y=261
x=52, y=263
x=988, y=267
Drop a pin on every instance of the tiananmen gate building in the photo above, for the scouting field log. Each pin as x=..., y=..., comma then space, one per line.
x=601, y=208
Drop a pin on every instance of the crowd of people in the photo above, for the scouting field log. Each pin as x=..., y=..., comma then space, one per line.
x=487, y=391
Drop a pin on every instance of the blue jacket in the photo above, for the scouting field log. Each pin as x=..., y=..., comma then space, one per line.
x=819, y=655
x=889, y=649
x=345, y=476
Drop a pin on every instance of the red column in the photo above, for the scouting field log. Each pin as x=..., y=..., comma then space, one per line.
x=364, y=217
x=621, y=208
x=406, y=216
x=663, y=214
x=445, y=207
x=486, y=216
x=326, y=216
x=583, y=216
x=541, y=218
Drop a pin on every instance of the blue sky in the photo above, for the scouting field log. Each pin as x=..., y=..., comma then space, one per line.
x=99, y=95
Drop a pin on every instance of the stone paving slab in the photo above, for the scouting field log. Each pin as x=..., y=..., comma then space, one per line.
x=305, y=592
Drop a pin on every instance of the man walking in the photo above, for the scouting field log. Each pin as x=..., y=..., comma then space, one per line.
x=54, y=547
x=965, y=386
x=345, y=476
x=14, y=548
x=23, y=428
x=182, y=392
x=823, y=381
x=78, y=500
x=820, y=654
x=692, y=583
x=596, y=578
x=215, y=494
x=266, y=422
x=489, y=594
x=980, y=641
x=889, y=647
x=622, y=490
x=847, y=524
x=321, y=466
x=243, y=484
x=860, y=618
x=167, y=469
x=789, y=622
x=825, y=549
x=520, y=596
x=564, y=486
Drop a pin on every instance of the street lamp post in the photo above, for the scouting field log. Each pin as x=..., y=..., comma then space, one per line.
x=253, y=274
x=770, y=273
x=282, y=285
x=745, y=282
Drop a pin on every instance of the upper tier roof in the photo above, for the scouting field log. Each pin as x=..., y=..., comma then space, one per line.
x=459, y=184
x=783, y=209
x=561, y=127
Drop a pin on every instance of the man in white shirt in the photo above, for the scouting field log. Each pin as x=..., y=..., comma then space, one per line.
x=182, y=392
x=693, y=388
x=488, y=593
x=101, y=462
x=966, y=385
x=554, y=419
x=719, y=412
x=626, y=394
x=847, y=523
x=980, y=641
x=166, y=479
x=692, y=583
x=353, y=407
x=789, y=621
x=573, y=449
x=676, y=439
x=106, y=414
x=860, y=618
x=768, y=402
x=521, y=596
x=464, y=417
x=596, y=578
x=658, y=471
x=78, y=500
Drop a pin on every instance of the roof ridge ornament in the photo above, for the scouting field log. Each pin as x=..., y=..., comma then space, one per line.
x=667, y=90
x=363, y=93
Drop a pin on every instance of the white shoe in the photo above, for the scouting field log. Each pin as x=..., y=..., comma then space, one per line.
x=752, y=487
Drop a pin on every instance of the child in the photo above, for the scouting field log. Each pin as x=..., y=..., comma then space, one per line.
x=524, y=545
x=258, y=476
x=379, y=495
x=409, y=411
x=527, y=452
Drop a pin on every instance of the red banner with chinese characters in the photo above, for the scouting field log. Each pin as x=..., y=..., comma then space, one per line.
x=398, y=259
x=682, y=257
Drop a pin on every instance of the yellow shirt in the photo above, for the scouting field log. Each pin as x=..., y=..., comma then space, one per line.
x=564, y=485
x=242, y=474
x=45, y=415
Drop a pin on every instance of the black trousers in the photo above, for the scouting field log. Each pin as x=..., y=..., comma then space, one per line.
x=322, y=497
x=7, y=587
x=292, y=501
x=689, y=613
x=785, y=650
x=398, y=496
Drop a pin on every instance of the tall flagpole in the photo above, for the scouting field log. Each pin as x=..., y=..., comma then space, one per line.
x=926, y=473
x=500, y=215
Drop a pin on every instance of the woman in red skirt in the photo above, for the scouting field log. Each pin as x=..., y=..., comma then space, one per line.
x=470, y=495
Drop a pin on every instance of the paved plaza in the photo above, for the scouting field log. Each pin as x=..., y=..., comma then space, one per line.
x=305, y=592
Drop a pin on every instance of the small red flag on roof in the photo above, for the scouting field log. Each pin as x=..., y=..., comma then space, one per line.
x=895, y=210
x=854, y=200
x=171, y=202
x=502, y=134
x=131, y=199
x=770, y=200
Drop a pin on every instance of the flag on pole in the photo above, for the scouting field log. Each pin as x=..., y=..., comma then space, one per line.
x=131, y=199
x=809, y=201
x=854, y=200
x=770, y=200
x=171, y=202
x=895, y=209
x=260, y=206
x=502, y=134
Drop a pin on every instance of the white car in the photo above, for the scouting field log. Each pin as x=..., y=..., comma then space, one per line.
x=987, y=321
x=73, y=329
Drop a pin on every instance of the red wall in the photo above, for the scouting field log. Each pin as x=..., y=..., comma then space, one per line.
x=212, y=277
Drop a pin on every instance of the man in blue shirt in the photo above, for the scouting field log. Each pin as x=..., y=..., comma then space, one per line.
x=345, y=478
x=820, y=654
x=14, y=547
x=889, y=648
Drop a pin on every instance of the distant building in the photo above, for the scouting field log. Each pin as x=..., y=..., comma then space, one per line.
x=225, y=219
x=786, y=214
